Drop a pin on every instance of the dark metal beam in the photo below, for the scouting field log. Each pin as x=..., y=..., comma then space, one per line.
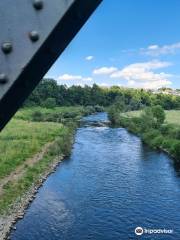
x=33, y=35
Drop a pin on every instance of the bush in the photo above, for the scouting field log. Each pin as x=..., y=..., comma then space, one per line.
x=49, y=103
x=170, y=130
x=150, y=135
x=175, y=149
x=89, y=110
x=70, y=114
x=157, y=141
x=165, y=129
x=167, y=143
x=159, y=114
x=177, y=133
x=37, y=116
x=53, y=117
x=99, y=108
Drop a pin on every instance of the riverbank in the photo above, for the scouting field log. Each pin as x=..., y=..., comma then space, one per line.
x=18, y=209
x=31, y=147
x=107, y=167
x=164, y=136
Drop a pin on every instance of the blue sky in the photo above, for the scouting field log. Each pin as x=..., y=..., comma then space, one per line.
x=132, y=43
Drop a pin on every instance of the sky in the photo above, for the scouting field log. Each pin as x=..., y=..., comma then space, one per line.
x=130, y=43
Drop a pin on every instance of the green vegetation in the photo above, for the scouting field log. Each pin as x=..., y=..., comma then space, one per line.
x=172, y=116
x=157, y=128
x=28, y=133
x=57, y=114
x=21, y=140
x=13, y=190
x=49, y=94
x=49, y=117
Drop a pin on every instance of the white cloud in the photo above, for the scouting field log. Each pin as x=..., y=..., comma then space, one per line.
x=65, y=77
x=157, y=84
x=89, y=58
x=103, y=84
x=153, y=47
x=87, y=79
x=104, y=70
x=141, y=74
x=68, y=77
x=156, y=50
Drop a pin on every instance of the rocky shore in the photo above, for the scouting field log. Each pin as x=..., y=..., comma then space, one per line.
x=17, y=211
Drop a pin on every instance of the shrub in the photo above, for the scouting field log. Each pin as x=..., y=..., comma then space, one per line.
x=165, y=129
x=150, y=135
x=157, y=141
x=70, y=114
x=175, y=149
x=37, y=116
x=159, y=114
x=167, y=143
x=177, y=134
x=98, y=108
x=89, y=110
x=49, y=103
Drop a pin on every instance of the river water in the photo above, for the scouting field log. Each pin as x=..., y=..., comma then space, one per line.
x=109, y=185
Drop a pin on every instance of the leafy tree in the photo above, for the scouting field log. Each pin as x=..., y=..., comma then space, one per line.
x=147, y=120
x=159, y=114
x=50, y=103
x=134, y=99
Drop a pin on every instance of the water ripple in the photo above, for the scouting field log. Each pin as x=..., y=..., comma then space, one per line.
x=111, y=184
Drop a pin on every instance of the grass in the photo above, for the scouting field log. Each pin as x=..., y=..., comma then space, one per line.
x=172, y=116
x=22, y=139
x=14, y=190
x=164, y=136
x=27, y=113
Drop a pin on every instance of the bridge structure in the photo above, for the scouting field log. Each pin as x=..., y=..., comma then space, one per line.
x=33, y=34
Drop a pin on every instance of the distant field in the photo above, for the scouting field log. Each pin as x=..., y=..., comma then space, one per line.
x=172, y=116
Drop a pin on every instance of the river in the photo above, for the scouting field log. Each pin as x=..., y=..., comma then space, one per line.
x=109, y=185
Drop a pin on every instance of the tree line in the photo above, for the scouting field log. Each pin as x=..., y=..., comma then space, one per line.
x=49, y=94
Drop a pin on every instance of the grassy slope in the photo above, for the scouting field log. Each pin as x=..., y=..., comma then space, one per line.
x=22, y=139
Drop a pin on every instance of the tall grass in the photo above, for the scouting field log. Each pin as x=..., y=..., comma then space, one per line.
x=23, y=138
x=14, y=190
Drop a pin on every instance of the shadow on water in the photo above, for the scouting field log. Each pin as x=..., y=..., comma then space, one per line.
x=176, y=166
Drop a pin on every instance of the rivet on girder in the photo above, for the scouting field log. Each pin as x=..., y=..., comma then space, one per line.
x=38, y=4
x=3, y=78
x=34, y=36
x=6, y=47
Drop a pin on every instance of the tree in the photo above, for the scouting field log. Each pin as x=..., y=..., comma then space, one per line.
x=159, y=114
x=147, y=120
x=49, y=103
x=134, y=99
x=152, y=117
